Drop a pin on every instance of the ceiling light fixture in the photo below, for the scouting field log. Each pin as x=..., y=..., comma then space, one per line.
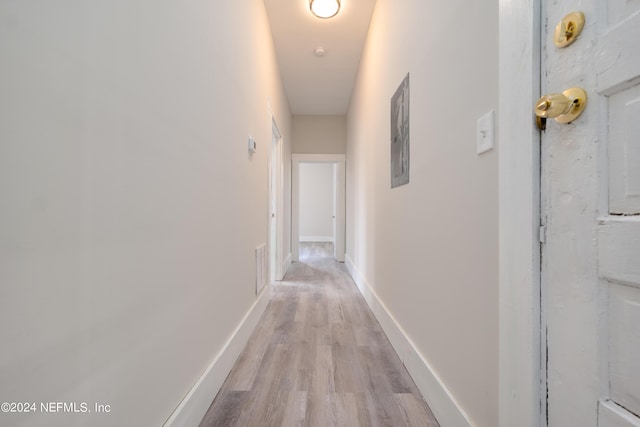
x=320, y=52
x=324, y=8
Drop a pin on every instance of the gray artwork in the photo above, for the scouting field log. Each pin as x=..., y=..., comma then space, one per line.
x=400, y=135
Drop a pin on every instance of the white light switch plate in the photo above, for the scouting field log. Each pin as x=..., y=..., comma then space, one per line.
x=485, y=133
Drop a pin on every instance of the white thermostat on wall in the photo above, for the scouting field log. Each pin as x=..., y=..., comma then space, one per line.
x=252, y=145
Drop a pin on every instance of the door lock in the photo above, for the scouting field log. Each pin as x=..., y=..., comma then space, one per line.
x=565, y=107
x=569, y=29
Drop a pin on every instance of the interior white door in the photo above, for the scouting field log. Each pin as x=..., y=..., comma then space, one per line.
x=275, y=205
x=273, y=249
x=590, y=202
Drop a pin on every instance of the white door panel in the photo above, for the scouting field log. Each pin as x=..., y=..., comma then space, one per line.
x=619, y=250
x=624, y=333
x=617, y=60
x=624, y=151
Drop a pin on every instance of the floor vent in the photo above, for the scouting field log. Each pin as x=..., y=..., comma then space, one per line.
x=261, y=267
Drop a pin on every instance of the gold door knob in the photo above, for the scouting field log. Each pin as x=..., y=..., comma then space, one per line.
x=565, y=107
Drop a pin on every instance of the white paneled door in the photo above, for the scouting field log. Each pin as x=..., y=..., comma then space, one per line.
x=590, y=211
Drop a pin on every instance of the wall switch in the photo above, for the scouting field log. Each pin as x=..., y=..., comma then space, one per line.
x=485, y=133
x=252, y=145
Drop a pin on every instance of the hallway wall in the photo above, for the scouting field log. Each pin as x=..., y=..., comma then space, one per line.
x=128, y=197
x=428, y=251
x=319, y=134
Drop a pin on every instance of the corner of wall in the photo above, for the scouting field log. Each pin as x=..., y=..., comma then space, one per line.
x=444, y=406
x=195, y=404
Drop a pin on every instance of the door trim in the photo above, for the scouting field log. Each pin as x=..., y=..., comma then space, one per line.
x=339, y=161
x=275, y=259
x=520, y=390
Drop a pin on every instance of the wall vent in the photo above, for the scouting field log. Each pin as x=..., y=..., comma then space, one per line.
x=261, y=267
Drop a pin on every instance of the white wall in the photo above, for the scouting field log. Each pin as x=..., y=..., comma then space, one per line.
x=129, y=206
x=317, y=201
x=318, y=134
x=429, y=249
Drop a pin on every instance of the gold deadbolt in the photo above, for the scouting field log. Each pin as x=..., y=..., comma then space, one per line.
x=565, y=107
x=569, y=29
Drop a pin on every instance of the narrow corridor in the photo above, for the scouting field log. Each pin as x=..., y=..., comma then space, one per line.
x=318, y=358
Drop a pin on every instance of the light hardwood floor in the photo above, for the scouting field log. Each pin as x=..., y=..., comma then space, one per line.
x=318, y=358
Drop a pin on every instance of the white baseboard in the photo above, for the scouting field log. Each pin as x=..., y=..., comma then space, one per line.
x=328, y=239
x=195, y=404
x=444, y=406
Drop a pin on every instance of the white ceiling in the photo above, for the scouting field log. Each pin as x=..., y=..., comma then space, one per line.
x=318, y=85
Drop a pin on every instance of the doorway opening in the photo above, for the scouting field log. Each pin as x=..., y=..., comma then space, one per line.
x=318, y=202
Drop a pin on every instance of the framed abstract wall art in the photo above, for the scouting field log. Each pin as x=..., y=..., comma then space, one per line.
x=400, y=135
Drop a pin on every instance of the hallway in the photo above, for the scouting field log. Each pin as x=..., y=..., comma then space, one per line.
x=318, y=358
x=147, y=160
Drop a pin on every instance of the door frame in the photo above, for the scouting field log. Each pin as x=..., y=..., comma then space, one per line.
x=340, y=191
x=275, y=191
x=521, y=376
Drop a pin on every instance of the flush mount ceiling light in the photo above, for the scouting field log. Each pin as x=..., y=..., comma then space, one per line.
x=324, y=8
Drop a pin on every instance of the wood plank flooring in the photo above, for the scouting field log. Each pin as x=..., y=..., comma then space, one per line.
x=318, y=358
